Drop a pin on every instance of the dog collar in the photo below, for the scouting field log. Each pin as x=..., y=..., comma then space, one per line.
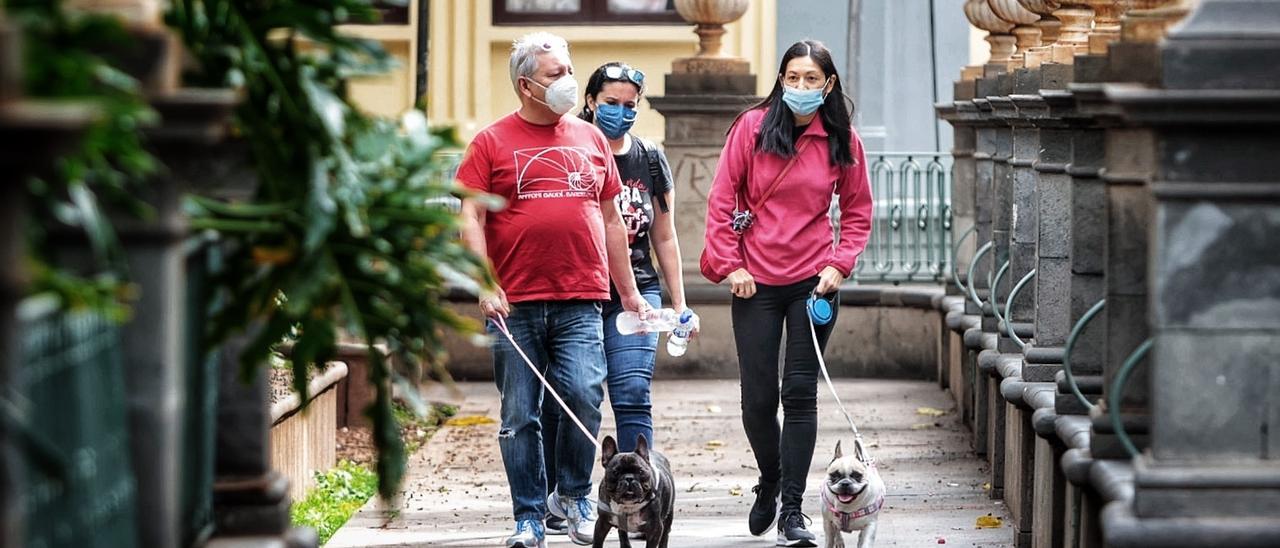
x=846, y=517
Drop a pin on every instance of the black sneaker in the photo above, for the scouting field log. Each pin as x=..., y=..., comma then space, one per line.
x=557, y=526
x=765, y=510
x=792, y=532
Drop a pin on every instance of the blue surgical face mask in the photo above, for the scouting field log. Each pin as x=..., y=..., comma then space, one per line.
x=614, y=120
x=803, y=102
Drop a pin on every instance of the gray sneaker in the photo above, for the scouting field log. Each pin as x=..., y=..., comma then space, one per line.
x=579, y=512
x=529, y=534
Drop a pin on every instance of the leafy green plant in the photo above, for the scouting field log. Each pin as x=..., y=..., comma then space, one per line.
x=348, y=230
x=338, y=494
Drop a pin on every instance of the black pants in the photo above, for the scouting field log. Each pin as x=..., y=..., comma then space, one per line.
x=783, y=452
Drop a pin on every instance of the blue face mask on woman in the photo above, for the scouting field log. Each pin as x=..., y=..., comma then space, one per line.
x=614, y=120
x=803, y=102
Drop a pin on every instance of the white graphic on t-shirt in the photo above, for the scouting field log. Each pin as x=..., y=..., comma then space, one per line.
x=554, y=172
x=636, y=212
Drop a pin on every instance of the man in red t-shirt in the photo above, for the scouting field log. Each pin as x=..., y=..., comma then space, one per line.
x=553, y=248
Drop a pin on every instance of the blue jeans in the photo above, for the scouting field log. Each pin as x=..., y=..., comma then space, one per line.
x=630, y=363
x=564, y=339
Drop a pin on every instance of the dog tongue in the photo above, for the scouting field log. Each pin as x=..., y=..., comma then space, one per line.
x=845, y=499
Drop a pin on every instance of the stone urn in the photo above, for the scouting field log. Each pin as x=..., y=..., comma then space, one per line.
x=1077, y=22
x=1026, y=34
x=981, y=16
x=1049, y=27
x=710, y=17
x=1106, y=25
x=1147, y=21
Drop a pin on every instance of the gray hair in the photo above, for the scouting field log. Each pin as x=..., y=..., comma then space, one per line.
x=525, y=52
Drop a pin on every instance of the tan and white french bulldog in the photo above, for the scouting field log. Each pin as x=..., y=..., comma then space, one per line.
x=852, y=495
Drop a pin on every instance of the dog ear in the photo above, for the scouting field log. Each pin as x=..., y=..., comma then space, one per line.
x=608, y=448
x=642, y=447
x=839, y=453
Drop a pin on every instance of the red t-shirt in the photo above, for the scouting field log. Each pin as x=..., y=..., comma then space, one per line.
x=548, y=243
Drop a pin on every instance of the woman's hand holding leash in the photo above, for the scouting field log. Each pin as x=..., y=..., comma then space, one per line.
x=742, y=283
x=829, y=280
x=493, y=304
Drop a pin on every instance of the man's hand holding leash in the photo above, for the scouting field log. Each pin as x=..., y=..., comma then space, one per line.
x=493, y=304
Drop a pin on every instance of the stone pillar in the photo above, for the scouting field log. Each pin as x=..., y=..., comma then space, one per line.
x=1212, y=473
x=704, y=94
x=12, y=286
x=34, y=135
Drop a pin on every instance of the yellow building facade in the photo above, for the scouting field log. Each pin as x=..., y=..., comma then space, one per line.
x=468, y=84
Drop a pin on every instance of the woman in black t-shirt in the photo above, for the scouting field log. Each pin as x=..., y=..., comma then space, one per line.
x=648, y=209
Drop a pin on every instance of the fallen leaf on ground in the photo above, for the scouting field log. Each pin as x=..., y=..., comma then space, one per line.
x=930, y=411
x=986, y=487
x=989, y=522
x=470, y=420
x=714, y=444
x=736, y=491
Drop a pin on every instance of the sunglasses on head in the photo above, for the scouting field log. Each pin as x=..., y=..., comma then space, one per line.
x=620, y=72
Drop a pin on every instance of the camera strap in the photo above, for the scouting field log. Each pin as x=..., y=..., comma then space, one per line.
x=773, y=187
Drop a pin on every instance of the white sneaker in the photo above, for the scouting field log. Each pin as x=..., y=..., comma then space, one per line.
x=529, y=534
x=579, y=512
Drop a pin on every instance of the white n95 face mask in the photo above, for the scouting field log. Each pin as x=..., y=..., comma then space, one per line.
x=562, y=94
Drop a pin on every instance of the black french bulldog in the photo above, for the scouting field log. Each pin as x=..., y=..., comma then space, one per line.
x=637, y=494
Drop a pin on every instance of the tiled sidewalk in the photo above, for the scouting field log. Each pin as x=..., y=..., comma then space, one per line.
x=456, y=493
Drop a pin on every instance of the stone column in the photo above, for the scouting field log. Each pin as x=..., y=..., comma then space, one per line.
x=1212, y=473
x=34, y=135
x=704, y=94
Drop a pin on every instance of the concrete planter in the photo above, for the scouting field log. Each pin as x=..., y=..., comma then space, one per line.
x=303, y=438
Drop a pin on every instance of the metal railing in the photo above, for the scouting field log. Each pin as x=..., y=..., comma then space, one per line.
x=71, y=409
x=911, y=232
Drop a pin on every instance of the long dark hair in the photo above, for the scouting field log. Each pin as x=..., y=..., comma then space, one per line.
x=776, y=129
x=596, y=83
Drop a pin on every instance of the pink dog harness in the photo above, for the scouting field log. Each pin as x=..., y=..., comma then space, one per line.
x=847, y=517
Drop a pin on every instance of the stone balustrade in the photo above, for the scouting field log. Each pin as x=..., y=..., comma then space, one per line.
x=1111, y=197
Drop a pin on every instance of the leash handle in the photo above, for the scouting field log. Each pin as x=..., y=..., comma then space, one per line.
x=858, y=447
x=502, y=327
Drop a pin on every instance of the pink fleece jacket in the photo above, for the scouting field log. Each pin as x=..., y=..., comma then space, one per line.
x=791, y=239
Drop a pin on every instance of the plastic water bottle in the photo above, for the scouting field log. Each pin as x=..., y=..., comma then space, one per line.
x=663, y=319
x=678, y=340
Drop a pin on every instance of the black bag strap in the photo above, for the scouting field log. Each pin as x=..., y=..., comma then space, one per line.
x=655, y=173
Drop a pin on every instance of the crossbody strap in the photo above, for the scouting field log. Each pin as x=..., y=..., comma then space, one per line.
x=773, y=187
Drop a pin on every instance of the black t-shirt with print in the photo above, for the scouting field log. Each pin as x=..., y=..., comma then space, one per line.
x=638, y=206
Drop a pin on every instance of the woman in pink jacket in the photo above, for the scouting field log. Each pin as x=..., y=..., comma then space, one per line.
x=769, y=235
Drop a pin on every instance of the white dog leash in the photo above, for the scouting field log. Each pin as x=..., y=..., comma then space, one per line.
x=502, y=326
x=859, y=447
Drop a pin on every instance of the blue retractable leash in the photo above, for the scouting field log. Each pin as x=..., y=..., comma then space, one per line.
x=821, y=311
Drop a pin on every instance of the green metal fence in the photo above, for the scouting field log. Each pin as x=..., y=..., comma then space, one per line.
x=200, y=413
x=79, y=486
x=911, y=232
x=911, y=235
